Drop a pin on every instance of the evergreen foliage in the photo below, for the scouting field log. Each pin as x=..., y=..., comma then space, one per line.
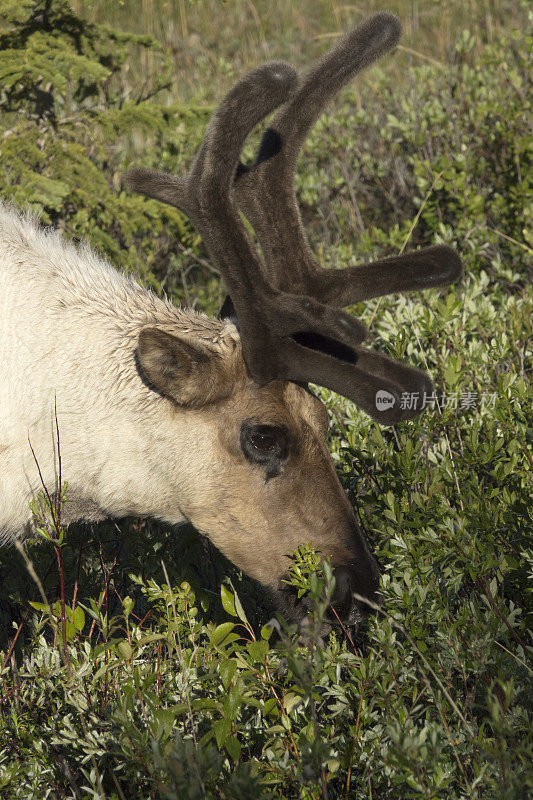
x=69, y=118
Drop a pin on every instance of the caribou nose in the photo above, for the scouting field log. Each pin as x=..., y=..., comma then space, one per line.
x=361, y=578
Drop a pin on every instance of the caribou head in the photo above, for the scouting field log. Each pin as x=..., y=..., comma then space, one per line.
x=275, y=472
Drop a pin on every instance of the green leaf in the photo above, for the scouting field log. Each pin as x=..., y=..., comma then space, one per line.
x=179, y=708
x=290, y=701
x=39, y=606
x=233, y=702
x=127, y=604
x=220, y=633
x=151, y=637
x=70, y=630
x=222, y=728
x=228, y=600
x=78, y=618
x=268, y=706
x=240, y=610
x=233, y=747
x=205, y=703
x=125, y=650
x=258, y=650
x=227, y=670
x=266, y=631
x=107, y=668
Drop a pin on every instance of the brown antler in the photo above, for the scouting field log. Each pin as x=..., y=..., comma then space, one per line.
x=266, y=195
x=288, y=330
x=266, y=191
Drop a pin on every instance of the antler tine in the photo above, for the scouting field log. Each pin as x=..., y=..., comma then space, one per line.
x=209, y=183
x=352, y=53
x=266, y=191
x=206, y=194
x=427, y=268
x=367, y=376
x=249, y=101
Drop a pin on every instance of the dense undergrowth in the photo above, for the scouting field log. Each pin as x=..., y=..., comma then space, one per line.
x=152, y=681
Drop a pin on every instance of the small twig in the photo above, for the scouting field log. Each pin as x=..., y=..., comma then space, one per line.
x=510, y=239
x=419, y=212
x=419, y=55
x=259, y=27
x=59, y=486
x=180, y=651
x=49, y=499
x=331, y=35
x=56, y=519
x=31, y=570
x=409, y=233
x=344, y=630
x=183, y=20
x=107, y=577
x=118, y=787
x=352, y=750
x=8, y=656
x=514, y=656
x=78, y=569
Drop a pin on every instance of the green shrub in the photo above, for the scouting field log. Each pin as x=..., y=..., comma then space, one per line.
x=68, y=121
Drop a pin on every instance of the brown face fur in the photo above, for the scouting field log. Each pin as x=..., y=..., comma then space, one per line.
x=258, y=513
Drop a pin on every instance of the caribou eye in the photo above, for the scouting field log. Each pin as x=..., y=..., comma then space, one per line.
x=267, y=445
x=264, y=441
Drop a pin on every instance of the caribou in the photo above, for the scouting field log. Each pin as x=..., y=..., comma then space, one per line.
x=165, y=412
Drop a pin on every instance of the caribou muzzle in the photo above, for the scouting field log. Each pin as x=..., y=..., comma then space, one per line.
x=359, y=578
x=355, y=579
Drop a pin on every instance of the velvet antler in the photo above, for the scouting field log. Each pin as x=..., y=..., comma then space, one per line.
x=288, y=308
x=266, y=193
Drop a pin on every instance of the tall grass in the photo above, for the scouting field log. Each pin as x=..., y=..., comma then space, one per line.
x=210, y=41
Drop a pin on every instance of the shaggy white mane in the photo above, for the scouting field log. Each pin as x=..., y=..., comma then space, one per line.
x=75, y=276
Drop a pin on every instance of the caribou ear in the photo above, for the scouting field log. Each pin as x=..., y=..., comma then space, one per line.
x=187, y=372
